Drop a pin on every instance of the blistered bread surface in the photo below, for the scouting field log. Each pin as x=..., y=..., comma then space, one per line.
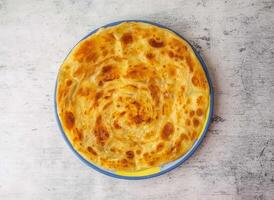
x=132, y=96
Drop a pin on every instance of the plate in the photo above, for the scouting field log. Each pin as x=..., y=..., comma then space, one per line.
x=154, y=171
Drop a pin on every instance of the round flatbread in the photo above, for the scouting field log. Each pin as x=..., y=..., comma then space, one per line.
x=132, y=96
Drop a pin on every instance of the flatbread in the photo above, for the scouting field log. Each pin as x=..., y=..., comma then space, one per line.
x=132, y=96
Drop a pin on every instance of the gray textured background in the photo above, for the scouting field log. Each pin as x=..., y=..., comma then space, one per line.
x=236, y=159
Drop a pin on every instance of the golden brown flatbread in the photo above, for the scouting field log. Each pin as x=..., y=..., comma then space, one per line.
x=132, y=96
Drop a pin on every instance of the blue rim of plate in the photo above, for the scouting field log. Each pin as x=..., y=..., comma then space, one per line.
x=169, y=166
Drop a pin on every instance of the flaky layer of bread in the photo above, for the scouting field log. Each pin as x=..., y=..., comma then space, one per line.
x=132, y=96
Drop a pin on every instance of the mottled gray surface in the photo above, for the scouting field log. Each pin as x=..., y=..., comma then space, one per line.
x=236, y=159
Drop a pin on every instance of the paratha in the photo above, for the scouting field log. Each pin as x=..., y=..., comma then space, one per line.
x=132, y=96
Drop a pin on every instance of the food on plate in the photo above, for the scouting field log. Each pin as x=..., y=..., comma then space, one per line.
x=132, y=96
